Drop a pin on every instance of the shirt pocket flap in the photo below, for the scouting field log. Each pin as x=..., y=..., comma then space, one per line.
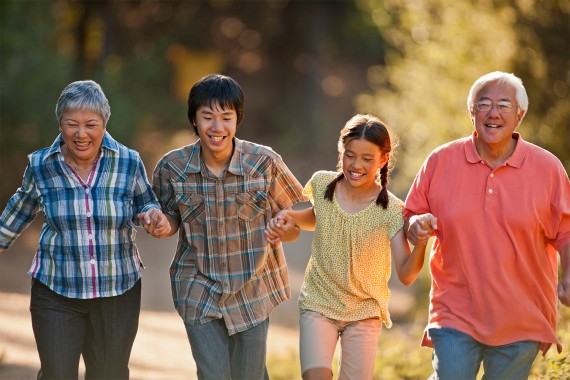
x=252, y=204
x=192, y=208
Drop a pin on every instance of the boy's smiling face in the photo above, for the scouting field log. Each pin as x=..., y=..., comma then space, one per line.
x=216, y=128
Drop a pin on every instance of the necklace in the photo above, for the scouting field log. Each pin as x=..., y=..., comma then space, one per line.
x=74, y=165
x=80, y=166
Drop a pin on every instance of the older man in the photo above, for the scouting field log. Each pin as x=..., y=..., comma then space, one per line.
x=499, y=208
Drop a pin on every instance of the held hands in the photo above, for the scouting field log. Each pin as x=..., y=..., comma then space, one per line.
x=420, y=228
x=155, y=223
x=278, y=226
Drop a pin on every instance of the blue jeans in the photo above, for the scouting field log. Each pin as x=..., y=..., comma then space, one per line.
x=101, y=329
x=220, y=356
x=458, y=356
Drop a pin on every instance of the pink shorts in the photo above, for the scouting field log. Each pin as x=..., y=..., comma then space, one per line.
x=358, y=344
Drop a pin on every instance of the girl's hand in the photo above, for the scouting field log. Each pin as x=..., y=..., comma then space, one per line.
x=278, y=226
x=421, y=228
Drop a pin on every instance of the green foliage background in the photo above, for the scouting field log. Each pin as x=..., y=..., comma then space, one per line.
x=306, y=67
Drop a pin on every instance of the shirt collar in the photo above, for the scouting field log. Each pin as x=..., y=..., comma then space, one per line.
x=235, y=166
x=515, y=160
x=108, y=143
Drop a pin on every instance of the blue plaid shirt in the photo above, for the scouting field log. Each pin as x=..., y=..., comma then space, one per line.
x=86, y=246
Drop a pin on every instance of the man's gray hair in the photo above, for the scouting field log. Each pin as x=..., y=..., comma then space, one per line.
x=83, y=95
x=501, y=77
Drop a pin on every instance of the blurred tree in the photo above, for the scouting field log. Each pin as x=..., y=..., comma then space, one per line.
x=439, y=48
x=33, y=66
x=543, y=62
x=302, y=65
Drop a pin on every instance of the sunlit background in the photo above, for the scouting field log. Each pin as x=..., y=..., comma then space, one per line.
x=306, y=67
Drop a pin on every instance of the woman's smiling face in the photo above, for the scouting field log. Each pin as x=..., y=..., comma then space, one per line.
x=82, y=132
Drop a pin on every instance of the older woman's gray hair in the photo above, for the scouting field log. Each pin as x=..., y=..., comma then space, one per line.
x=83, y=95
x=500, y=77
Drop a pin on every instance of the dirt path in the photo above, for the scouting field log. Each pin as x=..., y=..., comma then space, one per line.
x=161, y=349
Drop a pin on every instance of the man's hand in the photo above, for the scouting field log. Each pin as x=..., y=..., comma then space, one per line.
x=420, y=228
x=564, y=282
x=564, y=292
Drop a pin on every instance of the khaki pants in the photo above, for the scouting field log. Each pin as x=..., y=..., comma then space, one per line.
x=358, y=344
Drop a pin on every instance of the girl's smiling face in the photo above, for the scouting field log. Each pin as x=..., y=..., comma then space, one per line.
x=361, y=161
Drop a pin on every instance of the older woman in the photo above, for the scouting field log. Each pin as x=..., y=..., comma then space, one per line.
x=86, y=287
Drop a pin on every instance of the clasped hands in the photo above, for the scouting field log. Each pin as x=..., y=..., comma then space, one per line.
x=278, y=226
x=155, y=223
x=420, y=228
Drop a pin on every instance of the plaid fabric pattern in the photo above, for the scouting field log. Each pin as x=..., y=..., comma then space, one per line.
x=86, y=246
x=224, y=267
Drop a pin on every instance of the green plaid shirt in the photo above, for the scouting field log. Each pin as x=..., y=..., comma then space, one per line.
x=224, y=267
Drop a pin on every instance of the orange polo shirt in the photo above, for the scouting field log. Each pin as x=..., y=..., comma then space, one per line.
x=494, y=260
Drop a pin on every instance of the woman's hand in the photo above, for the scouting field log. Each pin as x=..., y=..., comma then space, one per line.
x=155, y=223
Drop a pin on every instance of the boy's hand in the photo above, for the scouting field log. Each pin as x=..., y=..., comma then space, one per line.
x=155, y=223
x=278, y=226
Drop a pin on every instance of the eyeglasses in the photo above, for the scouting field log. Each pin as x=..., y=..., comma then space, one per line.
x=486, y=106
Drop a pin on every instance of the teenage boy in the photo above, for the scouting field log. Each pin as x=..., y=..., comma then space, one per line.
x=220, y=192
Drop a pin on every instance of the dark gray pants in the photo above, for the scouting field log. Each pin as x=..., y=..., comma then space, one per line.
x=103, y=330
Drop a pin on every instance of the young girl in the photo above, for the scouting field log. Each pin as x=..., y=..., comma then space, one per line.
x=357, y=223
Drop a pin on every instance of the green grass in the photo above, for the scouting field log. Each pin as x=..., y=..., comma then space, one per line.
x=400, y=356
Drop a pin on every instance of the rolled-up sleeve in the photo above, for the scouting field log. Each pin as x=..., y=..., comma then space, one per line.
x=163, y=190
x=144, y=198
x=20, y=211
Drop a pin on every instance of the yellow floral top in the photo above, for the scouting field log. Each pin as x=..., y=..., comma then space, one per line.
x=347, y=276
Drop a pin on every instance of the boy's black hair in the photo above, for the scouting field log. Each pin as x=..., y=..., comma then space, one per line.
x=215, y=88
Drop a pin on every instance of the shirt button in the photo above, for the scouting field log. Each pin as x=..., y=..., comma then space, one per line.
x=490, y=191
x=90, y=236
x=92, y=261
x=492, y=174
x=88, y=214
x=86, y=190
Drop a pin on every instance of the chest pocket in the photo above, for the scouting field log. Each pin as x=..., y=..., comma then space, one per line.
x=192, y=208
x=55, y=200
x=251, y=205
x=123, y=203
